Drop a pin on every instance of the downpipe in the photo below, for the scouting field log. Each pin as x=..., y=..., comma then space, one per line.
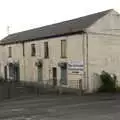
x=85, y=61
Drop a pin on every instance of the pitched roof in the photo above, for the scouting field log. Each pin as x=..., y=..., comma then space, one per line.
x=66, y=27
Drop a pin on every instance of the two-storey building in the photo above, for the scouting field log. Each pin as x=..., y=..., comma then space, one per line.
x=64, y=52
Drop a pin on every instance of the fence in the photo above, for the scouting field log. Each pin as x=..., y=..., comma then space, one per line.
x=74, y=84
x=15, y=89
x=10, y=90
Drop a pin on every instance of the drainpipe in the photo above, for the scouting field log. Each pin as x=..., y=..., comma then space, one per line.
x=83, y=54
x=23, y=48
x=85, y=59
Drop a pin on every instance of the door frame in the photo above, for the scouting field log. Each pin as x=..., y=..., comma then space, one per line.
x=54, y=76
x=64, y=80
x=40, y=73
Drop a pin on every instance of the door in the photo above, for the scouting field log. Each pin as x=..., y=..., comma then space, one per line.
x=11, y=72
x=54, y=76
x=40, y=74
x=63, y=75
x=5, y=72
x=17, y=73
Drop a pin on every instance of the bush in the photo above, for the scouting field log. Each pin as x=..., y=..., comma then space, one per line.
x=2, y=80
x=108, y=82
x=118, y=89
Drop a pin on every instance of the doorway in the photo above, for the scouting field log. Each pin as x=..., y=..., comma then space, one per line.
x=5, y=72
x=11, y=72
x=64, y=75
x=14, y=72
x=54, y=69
x=17, y=73
x=40, y=77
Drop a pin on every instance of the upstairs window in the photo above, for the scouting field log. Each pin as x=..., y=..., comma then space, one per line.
x=63, y=48
x=9, y=51
x=33, y=50
x=23, y=45
x=46, y=50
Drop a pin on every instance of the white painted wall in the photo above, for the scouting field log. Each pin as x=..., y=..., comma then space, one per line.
x=104, y=47
x=104, y=54
x=110, y=23
x=17, y=55
x=74, y=52
x=28, y=70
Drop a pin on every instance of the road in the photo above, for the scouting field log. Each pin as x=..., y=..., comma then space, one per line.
x=60, y=108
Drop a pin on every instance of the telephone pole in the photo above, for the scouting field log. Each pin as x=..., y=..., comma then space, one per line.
x=8, y=30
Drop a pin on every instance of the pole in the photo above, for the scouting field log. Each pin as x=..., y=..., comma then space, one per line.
x=87, y=60
x=83, y=52
x=8, y=30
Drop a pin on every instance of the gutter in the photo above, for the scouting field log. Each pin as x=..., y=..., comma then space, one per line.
x=6, y=42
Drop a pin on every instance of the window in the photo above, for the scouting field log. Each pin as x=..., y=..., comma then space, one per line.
x=63, y=48
x=46, y=50
x=10, y=52
x=33, y=50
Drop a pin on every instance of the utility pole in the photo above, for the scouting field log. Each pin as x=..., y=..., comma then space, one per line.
x=8, y=30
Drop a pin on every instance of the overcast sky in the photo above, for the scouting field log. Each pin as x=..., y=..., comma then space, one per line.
x=26, y=14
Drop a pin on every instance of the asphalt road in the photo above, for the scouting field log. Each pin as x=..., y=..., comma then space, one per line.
x=61, y=108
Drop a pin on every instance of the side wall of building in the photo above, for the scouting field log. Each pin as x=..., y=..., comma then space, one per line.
x=104, y=54
x=110, y=23
x=104, y=48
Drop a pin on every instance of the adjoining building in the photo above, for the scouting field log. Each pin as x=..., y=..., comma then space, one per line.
x=64, y=52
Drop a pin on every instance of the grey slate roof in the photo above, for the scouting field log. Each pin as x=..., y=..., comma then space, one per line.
x=66, y=27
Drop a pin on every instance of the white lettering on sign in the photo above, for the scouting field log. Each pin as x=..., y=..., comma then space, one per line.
x=75, y=67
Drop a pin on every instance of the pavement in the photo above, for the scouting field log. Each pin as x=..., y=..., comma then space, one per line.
x=64, y=107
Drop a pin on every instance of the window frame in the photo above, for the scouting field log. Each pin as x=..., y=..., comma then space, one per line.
x=9, y=51
x=46, y=50
x=33, y=50
x=64, y=48
x=23, y=46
